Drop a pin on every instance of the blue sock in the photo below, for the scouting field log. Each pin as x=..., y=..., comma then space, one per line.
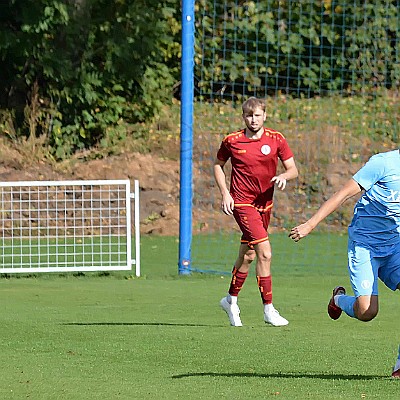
x=346, y=303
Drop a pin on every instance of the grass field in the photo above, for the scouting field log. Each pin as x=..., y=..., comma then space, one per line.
x=163, y=336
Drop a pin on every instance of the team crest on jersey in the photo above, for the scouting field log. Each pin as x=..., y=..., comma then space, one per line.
x=366, y=284
x=265, y=149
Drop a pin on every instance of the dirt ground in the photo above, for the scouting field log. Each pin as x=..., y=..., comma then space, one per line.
x=158, y=174
x=159, y=188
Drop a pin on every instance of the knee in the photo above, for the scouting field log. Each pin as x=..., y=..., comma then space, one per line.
x=249, y=256
x=366, y=314
x=265, y=255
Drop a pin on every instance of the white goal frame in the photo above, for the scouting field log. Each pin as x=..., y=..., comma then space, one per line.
x=64, y=226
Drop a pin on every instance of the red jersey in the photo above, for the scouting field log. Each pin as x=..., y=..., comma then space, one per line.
x=254, y=164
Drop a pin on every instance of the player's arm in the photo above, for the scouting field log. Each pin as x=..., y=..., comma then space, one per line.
x=227, y=203
x=291, y=172
x=350, y=189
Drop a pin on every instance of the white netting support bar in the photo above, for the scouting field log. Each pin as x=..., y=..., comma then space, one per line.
x=50, y=226
x=136, y=224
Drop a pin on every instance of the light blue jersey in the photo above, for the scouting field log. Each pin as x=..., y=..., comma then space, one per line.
x=376, y=220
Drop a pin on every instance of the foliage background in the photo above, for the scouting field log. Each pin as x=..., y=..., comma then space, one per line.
x=73, y=70
x=74, y=73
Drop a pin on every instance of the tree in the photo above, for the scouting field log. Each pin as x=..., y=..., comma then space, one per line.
x=93, y=62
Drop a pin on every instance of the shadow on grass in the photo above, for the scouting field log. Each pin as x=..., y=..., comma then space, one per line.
x=130, y=324
x=288, y=375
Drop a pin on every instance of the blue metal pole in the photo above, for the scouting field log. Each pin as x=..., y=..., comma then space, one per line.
x=186, y=139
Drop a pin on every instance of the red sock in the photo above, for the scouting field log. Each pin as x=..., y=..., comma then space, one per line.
x=265, y=287
x=237, y=281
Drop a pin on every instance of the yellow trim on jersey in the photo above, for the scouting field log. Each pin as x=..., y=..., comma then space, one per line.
x=241, y=132
x=253, y=242
x=233, y=134
x=274, y=132
x=261, y=209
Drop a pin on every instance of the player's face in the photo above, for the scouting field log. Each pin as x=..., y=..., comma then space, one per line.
x=254, y=120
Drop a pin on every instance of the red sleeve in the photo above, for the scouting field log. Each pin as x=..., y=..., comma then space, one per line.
x=224, y=152
x=284, y=151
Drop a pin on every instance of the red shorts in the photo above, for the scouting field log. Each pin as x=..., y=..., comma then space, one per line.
x=253, y=224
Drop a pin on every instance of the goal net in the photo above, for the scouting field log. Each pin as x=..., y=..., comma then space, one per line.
x=58, y=226
x=329, y=72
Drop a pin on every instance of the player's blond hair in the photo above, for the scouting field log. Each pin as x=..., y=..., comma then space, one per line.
x=251, y=104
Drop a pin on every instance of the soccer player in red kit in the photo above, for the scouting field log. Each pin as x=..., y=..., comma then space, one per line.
x=254, y=153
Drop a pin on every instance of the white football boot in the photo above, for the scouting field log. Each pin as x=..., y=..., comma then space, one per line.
x=272, y=316
x=233, y=312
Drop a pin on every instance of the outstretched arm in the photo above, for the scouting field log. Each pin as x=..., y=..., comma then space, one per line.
x=227, y=203
x=350, y=189
x=290, y=173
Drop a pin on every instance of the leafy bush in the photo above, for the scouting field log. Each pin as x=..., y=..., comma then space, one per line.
x=74, y=72
x=91, y=61
x=297, y=47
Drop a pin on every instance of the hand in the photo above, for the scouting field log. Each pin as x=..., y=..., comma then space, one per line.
x=279, y=181
x=298, y=232
x=227, y=204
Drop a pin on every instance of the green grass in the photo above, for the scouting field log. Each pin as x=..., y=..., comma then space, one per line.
x=319, y=251
x=163, y=336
